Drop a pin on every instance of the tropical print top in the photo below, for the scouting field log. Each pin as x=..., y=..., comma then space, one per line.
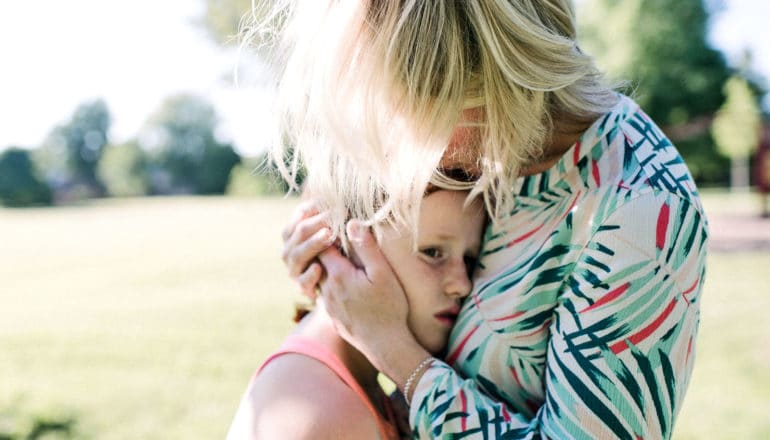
x=582, y=321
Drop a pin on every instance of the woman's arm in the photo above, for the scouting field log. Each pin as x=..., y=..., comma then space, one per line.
x=622, y=337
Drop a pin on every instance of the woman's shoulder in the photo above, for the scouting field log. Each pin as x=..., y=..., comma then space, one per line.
x=296, y=397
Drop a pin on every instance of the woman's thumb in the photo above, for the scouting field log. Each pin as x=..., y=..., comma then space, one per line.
x=365, y=247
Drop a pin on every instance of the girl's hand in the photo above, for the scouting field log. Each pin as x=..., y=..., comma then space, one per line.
x=304, y=238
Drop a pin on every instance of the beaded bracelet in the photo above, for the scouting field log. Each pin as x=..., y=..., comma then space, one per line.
x=413, y=376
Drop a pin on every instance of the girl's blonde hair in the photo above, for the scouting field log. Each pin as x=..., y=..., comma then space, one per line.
x=369, y=92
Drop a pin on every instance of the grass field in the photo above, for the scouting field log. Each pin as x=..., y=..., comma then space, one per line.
x=145, y=319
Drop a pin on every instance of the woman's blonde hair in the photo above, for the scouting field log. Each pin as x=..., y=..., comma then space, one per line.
x=369, y=92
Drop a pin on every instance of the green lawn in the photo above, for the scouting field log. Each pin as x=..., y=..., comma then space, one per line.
x=145, y=319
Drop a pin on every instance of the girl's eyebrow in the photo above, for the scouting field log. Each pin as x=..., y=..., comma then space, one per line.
x=438, y=236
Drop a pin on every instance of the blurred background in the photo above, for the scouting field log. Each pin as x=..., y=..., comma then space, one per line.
x=140, y=277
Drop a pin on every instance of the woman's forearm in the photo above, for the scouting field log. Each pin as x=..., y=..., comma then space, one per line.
x=402, y=359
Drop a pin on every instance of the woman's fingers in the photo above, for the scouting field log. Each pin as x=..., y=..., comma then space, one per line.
x=308, y=239
x=304, y=210
x=366, y=249
x=309, y=279
x=356, y=295
x=304, y=238
x=340, y=286
x=338, y=268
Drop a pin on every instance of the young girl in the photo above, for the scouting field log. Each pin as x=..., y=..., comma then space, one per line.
x=317, y=385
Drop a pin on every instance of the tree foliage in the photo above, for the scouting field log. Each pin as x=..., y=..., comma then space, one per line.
x=81, y=141
x=221, y=18
x=661, y=47
x=182, y=134
x=71, y=151
x=736, y=127
x=124, y=170
x=19, y=182
x=704, y=161
x=218, y=162
x=228, y=21
x=256, y=177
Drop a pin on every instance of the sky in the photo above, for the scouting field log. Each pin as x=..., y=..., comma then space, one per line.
x=58, y=54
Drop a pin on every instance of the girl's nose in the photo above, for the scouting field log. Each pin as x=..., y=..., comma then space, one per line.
x=456, y=282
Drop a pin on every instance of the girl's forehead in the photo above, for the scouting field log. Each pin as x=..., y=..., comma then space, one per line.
x=444, y=206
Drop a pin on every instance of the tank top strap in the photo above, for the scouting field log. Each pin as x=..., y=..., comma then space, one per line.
x=298, y=345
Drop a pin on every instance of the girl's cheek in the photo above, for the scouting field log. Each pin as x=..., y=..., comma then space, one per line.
x=429, y=271
x=422, y=278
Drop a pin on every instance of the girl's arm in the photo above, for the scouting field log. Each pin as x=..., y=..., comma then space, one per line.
x=297, y=398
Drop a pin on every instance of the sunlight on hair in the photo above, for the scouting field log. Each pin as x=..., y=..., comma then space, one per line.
x=369, y=93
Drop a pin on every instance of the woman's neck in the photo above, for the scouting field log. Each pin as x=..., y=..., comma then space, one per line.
x=463, y=149
x=564, y=136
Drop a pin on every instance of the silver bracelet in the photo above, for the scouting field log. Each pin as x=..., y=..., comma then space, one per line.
x=412, y=376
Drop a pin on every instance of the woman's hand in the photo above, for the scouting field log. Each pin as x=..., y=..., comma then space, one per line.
x=304, y=238
x=367, y=304
x=369, y=307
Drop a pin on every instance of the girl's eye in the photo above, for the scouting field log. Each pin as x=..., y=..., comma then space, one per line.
x=432, y=252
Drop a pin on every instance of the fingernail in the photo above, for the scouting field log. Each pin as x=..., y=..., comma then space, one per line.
x=324, y=235
x=355, y=231
x=329, y=236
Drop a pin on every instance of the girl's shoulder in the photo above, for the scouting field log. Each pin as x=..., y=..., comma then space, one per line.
x=295, y=397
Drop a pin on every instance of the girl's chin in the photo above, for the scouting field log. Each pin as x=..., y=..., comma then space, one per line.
x=434, y=342
x=436, y=349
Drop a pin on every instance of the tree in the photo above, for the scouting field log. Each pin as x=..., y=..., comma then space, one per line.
x=736, y=129
x=19, y=182
x=78, y=145
x=256, y=177
x=124, y=170
x=661, y=47
x=244, y=182
x=230, y=22
x=222, y=18
x=218, y=162
x=182, y=138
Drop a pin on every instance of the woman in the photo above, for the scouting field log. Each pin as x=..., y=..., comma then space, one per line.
x=583, y=317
